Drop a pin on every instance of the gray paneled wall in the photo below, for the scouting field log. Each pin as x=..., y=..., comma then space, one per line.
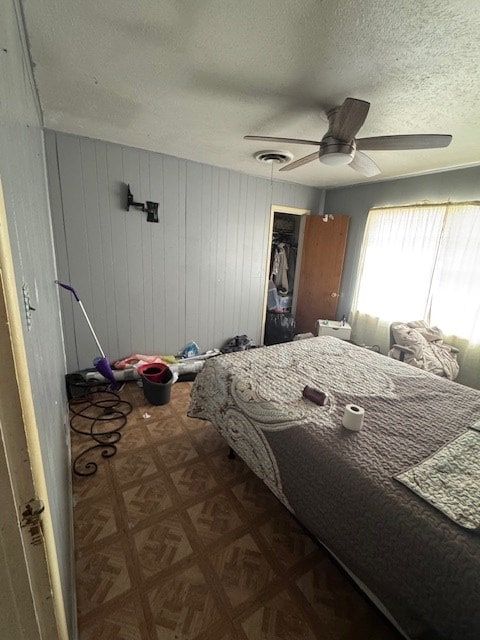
x=22, y=171
x=199, y=274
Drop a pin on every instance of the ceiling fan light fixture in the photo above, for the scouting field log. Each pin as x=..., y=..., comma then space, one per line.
x=340, y=145
x=335, y=152
x=336, y=158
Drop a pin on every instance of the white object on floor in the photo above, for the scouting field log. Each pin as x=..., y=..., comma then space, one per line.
x=333, y=328
x=201, y=356
x=184, y=366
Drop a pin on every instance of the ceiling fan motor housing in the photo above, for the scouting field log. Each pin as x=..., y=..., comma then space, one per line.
x=336, y=152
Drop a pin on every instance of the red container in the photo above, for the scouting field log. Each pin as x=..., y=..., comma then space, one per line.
x=154, y=372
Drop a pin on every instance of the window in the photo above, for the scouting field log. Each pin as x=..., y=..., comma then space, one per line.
x=423, y=262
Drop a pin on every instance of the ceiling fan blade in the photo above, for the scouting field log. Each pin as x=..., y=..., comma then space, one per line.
x=312, y=143
x=349, y=118
x=300, y=162
x=364, y=165
x=397, y=143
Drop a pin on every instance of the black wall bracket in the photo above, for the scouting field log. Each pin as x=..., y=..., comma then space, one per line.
x=150, y=207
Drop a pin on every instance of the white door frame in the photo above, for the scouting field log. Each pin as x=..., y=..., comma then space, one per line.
x=277, y=208
x=32, y=565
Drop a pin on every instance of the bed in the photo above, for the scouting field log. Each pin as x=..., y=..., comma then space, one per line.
x=422, y=567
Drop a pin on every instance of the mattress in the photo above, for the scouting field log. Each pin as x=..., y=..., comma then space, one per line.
x=340, y=484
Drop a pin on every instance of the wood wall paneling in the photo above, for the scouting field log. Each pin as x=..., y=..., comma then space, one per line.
x=174, y=250
x=199, y=274
x=66, y=302
x=108, y=337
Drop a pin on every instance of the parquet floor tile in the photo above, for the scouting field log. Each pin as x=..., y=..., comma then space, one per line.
x=287, y=540
x=254, y=496
x=145, y=501
x=102, y=574
x=194, y=479
x=125, y=622
x=227, y=469
x=214, y=517
x=183, y=605
x=91, y=487
x=133, y=438
x=133, y=465
x=209, y=440
x=161, y=545
x=242, y=569
x=166, y=428
x=94, y=520
x=278, y=619
x=174, y=541
x=174, y=452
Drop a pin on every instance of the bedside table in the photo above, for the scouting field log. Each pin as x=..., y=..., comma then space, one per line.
x=334, y=328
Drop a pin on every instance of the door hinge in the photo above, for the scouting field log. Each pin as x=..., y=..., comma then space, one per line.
x=30, y=518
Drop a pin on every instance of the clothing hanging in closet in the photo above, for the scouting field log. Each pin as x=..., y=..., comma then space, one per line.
x=280, y=267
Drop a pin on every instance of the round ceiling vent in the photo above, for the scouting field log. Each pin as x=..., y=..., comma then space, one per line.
x=275, y=156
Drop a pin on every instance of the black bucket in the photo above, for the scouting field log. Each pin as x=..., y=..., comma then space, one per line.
x=158, y=392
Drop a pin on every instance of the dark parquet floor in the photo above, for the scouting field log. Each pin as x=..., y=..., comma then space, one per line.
x=174, y=541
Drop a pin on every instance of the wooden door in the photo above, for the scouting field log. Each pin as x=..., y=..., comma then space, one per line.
x=31, y=601
x=321, y=270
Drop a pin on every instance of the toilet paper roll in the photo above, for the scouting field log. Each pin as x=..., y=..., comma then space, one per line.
x=353, y=417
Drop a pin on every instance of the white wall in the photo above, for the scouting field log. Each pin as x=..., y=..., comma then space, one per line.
x=356, y=201
x=199, y=274
x=22, y=171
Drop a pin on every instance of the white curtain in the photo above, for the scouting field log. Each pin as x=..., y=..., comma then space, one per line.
x=422, y=262
x=455, y=293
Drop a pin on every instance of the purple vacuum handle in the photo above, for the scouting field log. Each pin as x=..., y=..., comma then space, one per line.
x=69, y=288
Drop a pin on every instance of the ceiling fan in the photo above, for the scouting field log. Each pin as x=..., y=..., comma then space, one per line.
x=340, y=147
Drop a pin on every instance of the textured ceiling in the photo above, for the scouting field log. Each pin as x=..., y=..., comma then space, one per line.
x=191, y=77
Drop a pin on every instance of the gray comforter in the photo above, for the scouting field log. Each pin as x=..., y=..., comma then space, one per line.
x=424, y=568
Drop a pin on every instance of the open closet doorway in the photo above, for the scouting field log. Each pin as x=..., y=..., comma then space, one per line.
x=304, y=271
x=284, y=253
